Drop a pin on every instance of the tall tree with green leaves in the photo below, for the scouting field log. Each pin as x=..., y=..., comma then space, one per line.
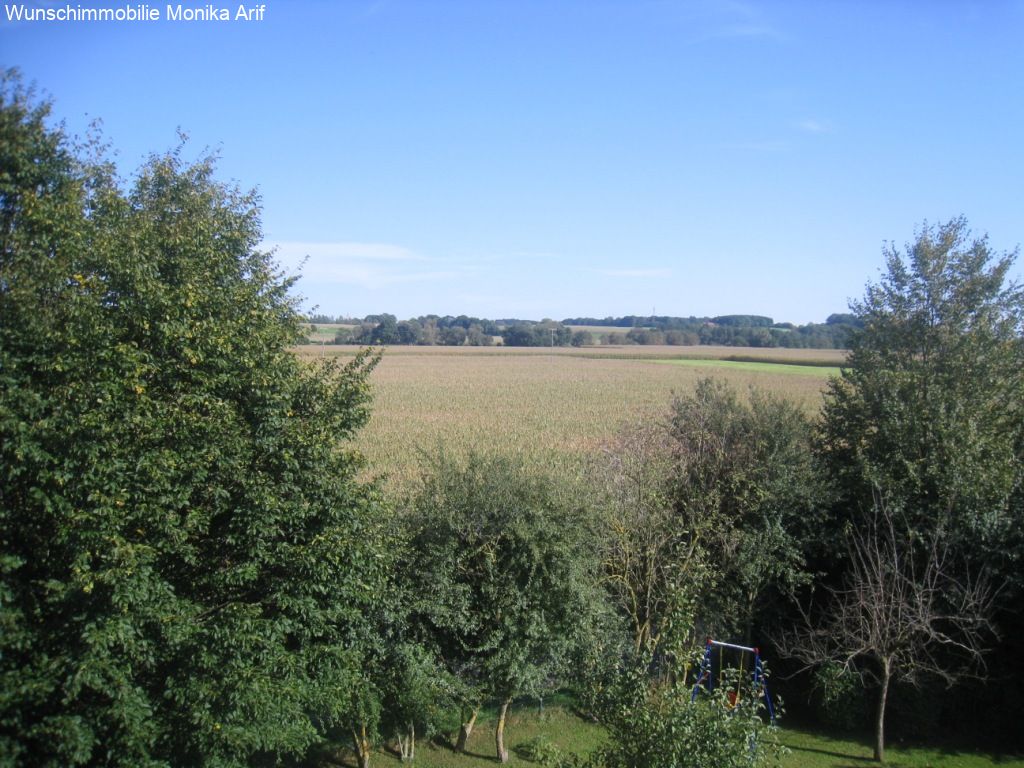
x=186, y=555
x=929, y=409
x=745, y=473
x=927, y=423
x=506, y=578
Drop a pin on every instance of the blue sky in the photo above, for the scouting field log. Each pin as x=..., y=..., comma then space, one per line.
x=562, y=158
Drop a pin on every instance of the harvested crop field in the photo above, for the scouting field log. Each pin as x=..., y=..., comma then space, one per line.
x=556, y=406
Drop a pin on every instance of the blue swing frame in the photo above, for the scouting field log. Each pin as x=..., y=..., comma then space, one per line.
x=706, y=681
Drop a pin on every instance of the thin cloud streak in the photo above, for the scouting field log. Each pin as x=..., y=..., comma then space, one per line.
x=369, y=266
x=345, y=250
x=814, y=126
x=636, y=273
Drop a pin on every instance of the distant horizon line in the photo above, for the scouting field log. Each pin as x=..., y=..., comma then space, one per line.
x=571, y=320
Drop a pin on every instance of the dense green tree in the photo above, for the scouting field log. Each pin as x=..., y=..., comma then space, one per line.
x=506, y=577
x=418, y=693
x=518, y=336
x=930, y=406
x=927, y=421
x=453, y=336
x=582, y=338
x=746, y=471
x=430, y=333
x=386, y=331
x=410, y=332
x=476, y=336
x=744, y=321
x=843, y=318
x=546, y=333
x=185, y=552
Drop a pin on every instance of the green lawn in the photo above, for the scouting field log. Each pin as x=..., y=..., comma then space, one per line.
x=815, y=750
x=555, y=725
x=559, y=726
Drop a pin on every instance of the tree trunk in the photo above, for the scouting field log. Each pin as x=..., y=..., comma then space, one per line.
x=499, y=732
x=464, y=732
x=880, y=722
x=412, y=741
x=404, y=744
x=362, y=744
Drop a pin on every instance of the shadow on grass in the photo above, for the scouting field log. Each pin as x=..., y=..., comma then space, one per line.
x=330, y=760
x=830, y=753
x=480, y=755
x=448, y=744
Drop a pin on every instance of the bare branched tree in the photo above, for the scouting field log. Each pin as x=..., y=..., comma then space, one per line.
x=905, y=610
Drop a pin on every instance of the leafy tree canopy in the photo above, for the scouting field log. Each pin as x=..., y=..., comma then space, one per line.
x=506, y=579
x=185, y=552
x=744, y=473
x=929, y=408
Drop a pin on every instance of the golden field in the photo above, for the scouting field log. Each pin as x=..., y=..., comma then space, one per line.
x=553, y=406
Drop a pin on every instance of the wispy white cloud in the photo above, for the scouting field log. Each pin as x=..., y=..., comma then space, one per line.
x=811, y=125
x=345, y=250
x=636, y=273
x=371, y=276
x=364, y=265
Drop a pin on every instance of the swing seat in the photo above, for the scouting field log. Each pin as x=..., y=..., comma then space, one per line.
x=733, y=698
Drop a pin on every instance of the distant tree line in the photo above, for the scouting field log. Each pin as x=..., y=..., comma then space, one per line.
x=428, y=330
x=435, y=330
x=725, y=330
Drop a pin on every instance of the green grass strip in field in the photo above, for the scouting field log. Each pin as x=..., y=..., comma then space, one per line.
x=821, y=371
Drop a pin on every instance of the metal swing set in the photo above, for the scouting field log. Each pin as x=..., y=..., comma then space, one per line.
x=706, y=681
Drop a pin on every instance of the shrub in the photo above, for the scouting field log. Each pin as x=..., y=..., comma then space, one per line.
x=655, y=726
x=839, y=697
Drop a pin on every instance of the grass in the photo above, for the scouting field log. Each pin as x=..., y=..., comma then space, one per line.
x=325, y=332
x=798, y=369
x=553, y=407
x=558, y=725
x=809, y=749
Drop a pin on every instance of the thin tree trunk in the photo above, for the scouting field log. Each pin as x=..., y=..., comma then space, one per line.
x=880, y=722
x=362, y=744
x=412, y=741
x=464, y=732
x=403, y=745
x=499, y=732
